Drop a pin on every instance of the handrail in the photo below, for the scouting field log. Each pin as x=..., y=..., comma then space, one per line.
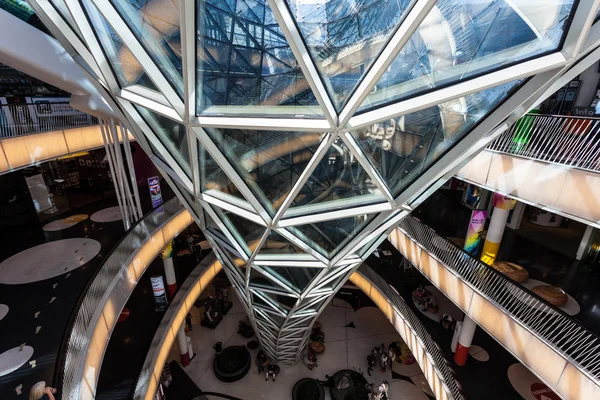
x=30, y=118
x=564, y=140
x=60, y=361
x=108, y=293
x=430, y=348
x=554, y=327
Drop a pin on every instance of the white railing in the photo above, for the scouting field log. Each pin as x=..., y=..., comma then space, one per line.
x=557, y=139
x=25, y=119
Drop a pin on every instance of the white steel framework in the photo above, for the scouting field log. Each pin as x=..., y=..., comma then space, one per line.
x=300, y=133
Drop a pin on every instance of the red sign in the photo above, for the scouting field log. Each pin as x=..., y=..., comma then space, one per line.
x=543, y=392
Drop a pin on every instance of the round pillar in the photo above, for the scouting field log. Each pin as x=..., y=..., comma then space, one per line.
x=167, y=256
x=465, y=338
x=183, y=347
x=502, y=207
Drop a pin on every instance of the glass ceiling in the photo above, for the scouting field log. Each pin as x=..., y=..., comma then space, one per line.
x=299, y=127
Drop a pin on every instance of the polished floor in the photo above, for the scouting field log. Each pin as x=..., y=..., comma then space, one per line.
x=349, y=337
x=42, y=275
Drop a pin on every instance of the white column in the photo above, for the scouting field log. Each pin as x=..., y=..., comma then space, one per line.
x=465, y=338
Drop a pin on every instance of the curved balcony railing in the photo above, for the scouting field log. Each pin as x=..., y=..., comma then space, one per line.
x=554, y=327
x=557, y=139
x=107, y=293
x=26, y=119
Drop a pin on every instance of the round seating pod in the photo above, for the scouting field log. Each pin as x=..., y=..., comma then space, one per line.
x=308, y=389
x=512, y=270
x=552, y=294
x=232, y=364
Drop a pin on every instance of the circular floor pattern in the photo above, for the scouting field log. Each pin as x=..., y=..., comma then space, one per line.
x=110, y=214
x=572, y=306
x=421, y=382
x=47, y=260
x=3, y=311
x=528, y=385
x=11, y=360
x=445, y=306
x=479, y=353
x=65, y=223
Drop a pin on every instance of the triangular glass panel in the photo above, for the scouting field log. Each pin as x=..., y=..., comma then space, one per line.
x=127, y=68
x=158, y=30
x=470, y=38
x=238, y=265
x=257, y=72
x=212, y=176
x=297, y=278
x=401, y=148
x=340, y=180
x=171, y=134
x=247, y=232
x=328, y=237
x=277, y=244
x=344, y=37
x=270, y=162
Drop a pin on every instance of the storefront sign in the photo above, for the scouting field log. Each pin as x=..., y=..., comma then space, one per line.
x=155, y=195
x=160, y=296
x=476, y=225
x=584, y=111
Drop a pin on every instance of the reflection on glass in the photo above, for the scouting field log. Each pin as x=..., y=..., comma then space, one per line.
x=170, y=133
x=245, y=65
x=340, y=180
x=329, y=236
x=345, y=36
x=156, y=24
x=462, y=38
x=269, y=162
x=296, y=278
x=212, y=176
x=127, y=68
x=277, y=244
x=401, y=148
x=63, y=10
x=247, y=232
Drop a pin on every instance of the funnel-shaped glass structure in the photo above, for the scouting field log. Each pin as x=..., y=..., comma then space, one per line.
x=298, y=132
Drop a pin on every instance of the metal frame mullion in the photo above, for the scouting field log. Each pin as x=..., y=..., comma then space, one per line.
x=234, y=208
x=459, y=89
x=300, y=243
x=364, y=161
x=275, y=280
x=148, y=132
x=89, y=36
x=581, y=22
x=235, y=178
x=234, y=242
x=187, y=31
x=313, y=163
x=62, y=30
x=407, y=28
x=149, y=103
x=262, y=123
x=336, y=214
x=130, y=40
x=309, y=69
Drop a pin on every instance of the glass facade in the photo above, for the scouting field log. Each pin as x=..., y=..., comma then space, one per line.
x=291, y=181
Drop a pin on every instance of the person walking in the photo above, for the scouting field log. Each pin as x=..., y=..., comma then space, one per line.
x=261, y=361
x=272, y=371
x=370, y=364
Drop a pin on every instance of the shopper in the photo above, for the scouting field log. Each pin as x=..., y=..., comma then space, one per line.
x=383, y=361
x=272, y=371
x=40, y=391
x=311, y=360
x=261, y=361
x=370, y=363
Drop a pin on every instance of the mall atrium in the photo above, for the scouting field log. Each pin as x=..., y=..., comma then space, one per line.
x=352, y=199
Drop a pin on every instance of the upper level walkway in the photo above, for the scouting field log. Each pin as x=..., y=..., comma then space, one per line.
x=549, y=342
x=552, y=162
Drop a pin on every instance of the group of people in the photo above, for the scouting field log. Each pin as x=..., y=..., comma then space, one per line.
x=381, y=356
x=265, y=366
x=382, y=392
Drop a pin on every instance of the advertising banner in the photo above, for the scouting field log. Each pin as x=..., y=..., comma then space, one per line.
x=160, y=296
x=476, y=225
x=504, y=202
x=154, y=187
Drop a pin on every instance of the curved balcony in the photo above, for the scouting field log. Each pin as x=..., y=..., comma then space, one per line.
x=545, y=339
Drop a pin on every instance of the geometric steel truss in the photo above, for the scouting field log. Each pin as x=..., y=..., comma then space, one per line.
x=299, y=134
